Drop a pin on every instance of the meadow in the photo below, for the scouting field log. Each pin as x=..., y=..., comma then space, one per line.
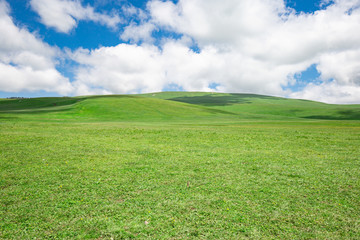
x=179, y=166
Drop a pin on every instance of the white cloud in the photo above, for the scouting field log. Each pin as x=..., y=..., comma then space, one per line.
x=243, y=46
x=29, y=79
x=133, y=12
x=120, y=69
x=256, y=45
x=215, y=22
x=330, y=92
x=344, y=66
x=130, y=68
x=64, y=14
x=138, y=33
x=26, y=63
x=340, y=72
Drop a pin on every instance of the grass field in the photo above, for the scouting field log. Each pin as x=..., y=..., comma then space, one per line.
x=179, y=166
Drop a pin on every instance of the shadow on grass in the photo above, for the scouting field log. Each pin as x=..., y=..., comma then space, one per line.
x=7, y=118
x=35, y=111
x=219, y=111
x=216, y=100
x=342, y=115
x=12, y=106
x=45, y=105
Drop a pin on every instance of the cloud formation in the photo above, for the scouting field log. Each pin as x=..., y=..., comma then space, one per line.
x=243, y=46
x=64, y=14
x=256, y=46
x=27, y=63
x=123, y=69
x=330, y=92
x=138, y=33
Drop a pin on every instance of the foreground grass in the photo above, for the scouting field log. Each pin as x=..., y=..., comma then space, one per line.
x=96, y=180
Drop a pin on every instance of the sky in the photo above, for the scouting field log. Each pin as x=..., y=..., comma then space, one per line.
x=289, y=48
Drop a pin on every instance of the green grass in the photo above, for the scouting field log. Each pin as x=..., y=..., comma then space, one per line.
x=179, y=166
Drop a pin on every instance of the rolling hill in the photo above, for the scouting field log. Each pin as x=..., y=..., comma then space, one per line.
x=182, y=106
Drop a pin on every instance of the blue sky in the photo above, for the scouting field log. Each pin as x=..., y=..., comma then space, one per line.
x=284, y=48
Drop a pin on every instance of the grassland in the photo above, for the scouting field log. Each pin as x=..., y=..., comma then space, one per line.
x=179, y=166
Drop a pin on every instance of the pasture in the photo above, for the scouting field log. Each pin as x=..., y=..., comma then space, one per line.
x=179, y=166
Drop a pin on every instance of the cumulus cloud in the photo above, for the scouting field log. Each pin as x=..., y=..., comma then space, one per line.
x=330, y=92
x=120, y=69
x=344, y=66
x=29, y=79
x=145, y=68
x=243, y=46
x=133, y=12
x=231, y=46
x=221, y=23
x=26, y=62
x=64, y=14
x=138, y=33
x=340, y=72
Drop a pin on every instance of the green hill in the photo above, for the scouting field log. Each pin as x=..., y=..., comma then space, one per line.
x=184, y=106
x=266, y=107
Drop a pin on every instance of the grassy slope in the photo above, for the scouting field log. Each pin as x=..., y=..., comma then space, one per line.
x=99, y=167
x=106, y=108
x=265, y=107
x=176, y=106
